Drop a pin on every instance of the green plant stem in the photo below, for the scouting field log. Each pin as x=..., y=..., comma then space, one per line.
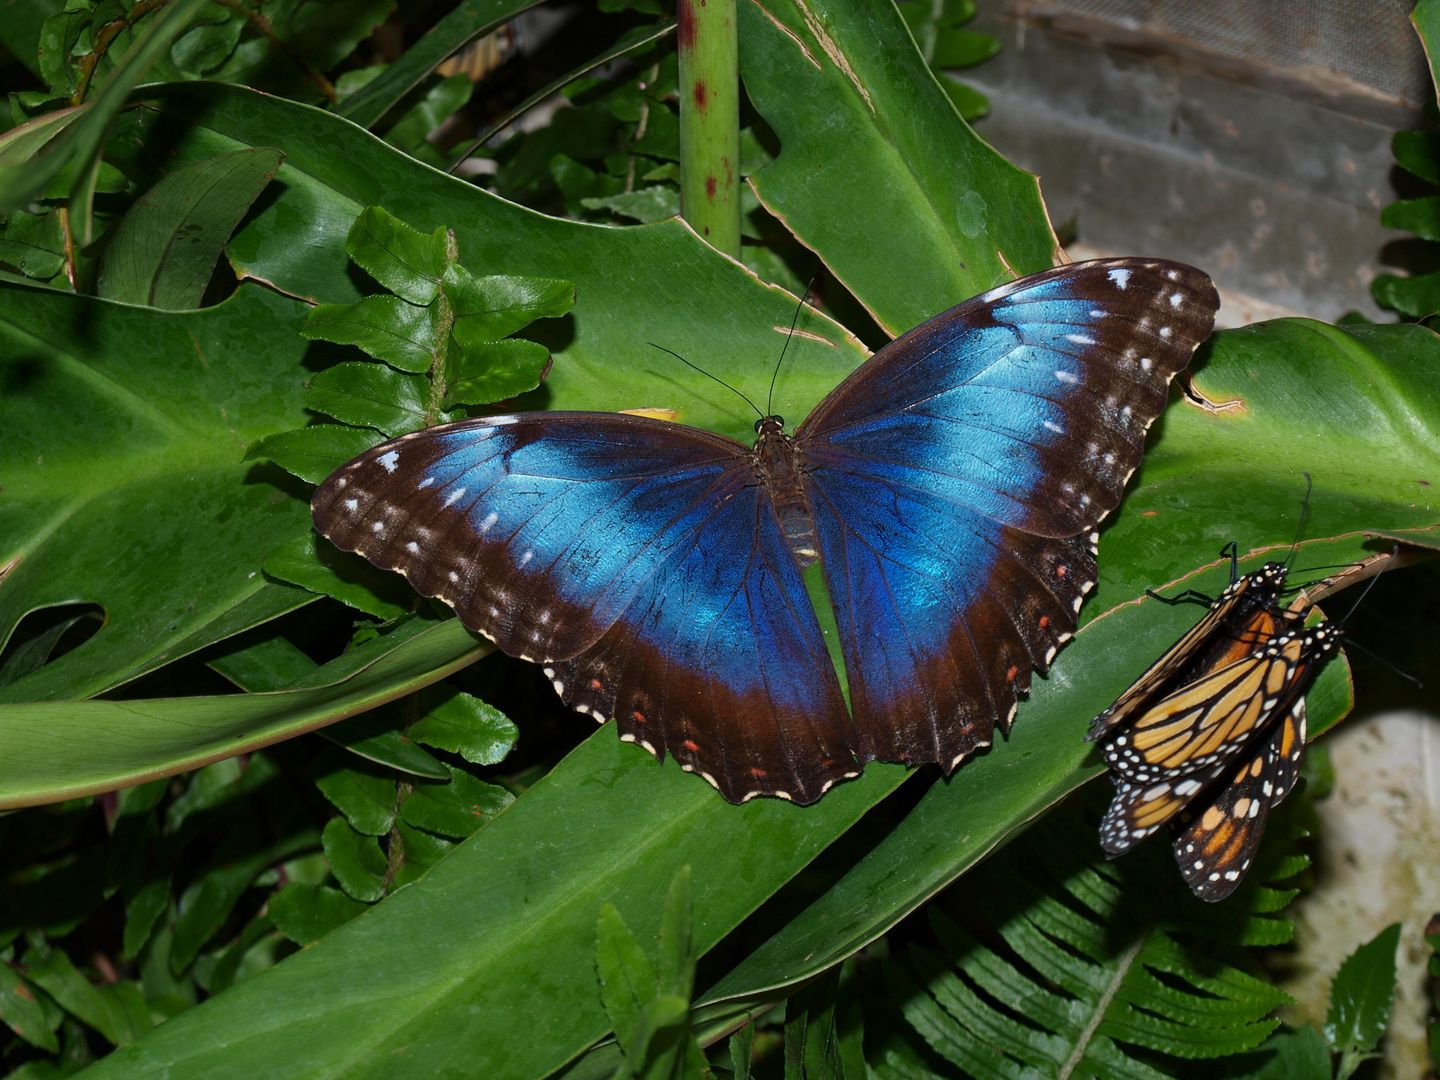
x=710, y=121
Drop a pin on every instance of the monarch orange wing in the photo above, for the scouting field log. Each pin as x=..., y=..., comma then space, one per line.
x=1215, y=845
x=1224, y=627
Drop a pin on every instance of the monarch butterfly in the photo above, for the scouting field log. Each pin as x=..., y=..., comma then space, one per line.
x=1212, y=734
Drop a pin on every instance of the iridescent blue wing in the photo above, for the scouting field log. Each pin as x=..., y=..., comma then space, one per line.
x=957, y=479
x=638, y=561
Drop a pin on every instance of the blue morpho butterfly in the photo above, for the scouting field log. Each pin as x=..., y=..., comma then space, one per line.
x=951, y=486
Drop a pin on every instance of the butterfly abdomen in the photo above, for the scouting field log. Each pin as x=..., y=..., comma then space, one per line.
x=778, y=470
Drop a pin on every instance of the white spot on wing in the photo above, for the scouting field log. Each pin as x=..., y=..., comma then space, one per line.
x=352, y=505
x=454, y=497
x=1079, y=339
x=390, y=460
x=426, y=482
x=1067, y=377
x=1052, y=426
x=1120, y=277
x=489, y=522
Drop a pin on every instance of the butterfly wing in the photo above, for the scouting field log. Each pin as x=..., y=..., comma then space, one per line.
x=1235, y=607
x=956, y=480
x=1214, y=846
x=637, y=560
x=1212, y=718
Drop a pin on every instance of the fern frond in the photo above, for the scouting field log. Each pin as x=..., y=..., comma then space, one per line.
x=1050, y=962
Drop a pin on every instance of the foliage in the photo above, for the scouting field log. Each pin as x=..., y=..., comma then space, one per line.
x=242, y=751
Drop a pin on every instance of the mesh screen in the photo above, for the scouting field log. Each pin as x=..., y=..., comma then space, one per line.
x=1368, y=43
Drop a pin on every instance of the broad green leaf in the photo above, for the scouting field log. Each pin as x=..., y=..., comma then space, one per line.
x=441, y=101
x=962, y=48
x=420, y=850
x=465, y=725
x=164, y=249
x=315, y=452
x=495, y=370
x=313, y=563
x=405, y=260
x=455, y=809
x=124, y=480
x=57, y=750
x=1361, y=994
x=271, y=663
x=1426, y=19
x=355, y=859
x=385, y=327
x=512, y=992
x=877, y=171
x=494, y=307
x=466, y=22
x=651, y=283
x=675, y=968
x=307, y=913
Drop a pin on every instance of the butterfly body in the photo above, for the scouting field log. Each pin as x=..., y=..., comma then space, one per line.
x=950, y=487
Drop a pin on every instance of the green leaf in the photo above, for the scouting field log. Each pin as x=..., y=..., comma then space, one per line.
x=313, y=453
x=494, y=307
x=364, y=793
x=962, y=48
x=22, y=142
x=1361, y=995
x=1419, y=216
x=164, y=249
x=34, y=244
x=627, y=977
x=438, y=104
x=307, y=913
x=269, y=663
x=370, y=395
x=655, y=203
x=969, y=102
x=1418, y=152
x=488, y=371
x=464, y=725
x=145, y=909
x=57, y=750
x=21, y=1013
x=675, y=970
x=467, y=21
x=385, y=327
x=1416, y=296
x=83, y=140
x=374, y=736
x=313, y=563
x=118, y=470
x=455, y=809
x=73, y=992
x=1288, y=1054
x=420, y=850
x=1426, y=19
x=403, y=259
x=876, y=168
x=356, y=860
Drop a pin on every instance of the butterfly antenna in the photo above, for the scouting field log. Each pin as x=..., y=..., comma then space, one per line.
x=770, y=400
x=1351, y=643
x=1234, y=552
x=1304, y=513
x=707, y=374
